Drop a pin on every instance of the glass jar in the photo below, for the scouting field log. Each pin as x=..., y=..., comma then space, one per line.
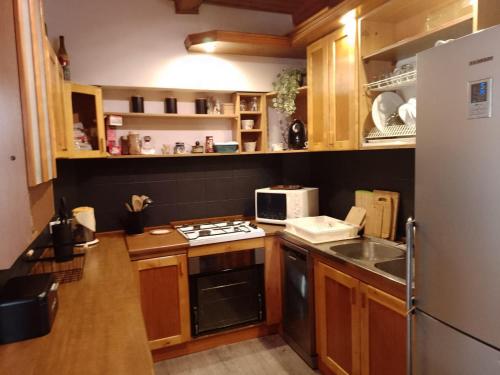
x=243, y=105
x=179, y=148
x=254, y=104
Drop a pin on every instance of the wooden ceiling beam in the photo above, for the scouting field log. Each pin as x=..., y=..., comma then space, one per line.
x=187, y=6
x=276, y=6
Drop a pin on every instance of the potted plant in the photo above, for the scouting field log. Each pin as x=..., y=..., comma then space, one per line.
x=287, y=87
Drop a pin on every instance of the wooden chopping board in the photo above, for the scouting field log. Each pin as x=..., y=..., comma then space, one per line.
x=385, y=203
x=394, y=197
x=374, y=215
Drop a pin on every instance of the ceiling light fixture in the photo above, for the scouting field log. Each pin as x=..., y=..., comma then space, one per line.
x=348, y=18
x=209, y=47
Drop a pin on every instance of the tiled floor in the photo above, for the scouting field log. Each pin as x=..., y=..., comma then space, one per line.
x=267, y=355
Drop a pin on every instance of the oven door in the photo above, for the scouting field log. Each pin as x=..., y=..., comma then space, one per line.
x=271, y=207
x=226, y=290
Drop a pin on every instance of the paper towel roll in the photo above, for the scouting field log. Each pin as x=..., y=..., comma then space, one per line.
x=85, y=217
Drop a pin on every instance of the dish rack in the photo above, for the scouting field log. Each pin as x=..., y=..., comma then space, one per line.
x=392, y=132
x=393, y=83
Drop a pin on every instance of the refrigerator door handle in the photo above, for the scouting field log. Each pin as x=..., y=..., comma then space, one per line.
x=410, y=238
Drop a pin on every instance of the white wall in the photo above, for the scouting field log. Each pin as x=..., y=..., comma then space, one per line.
x=141, y=43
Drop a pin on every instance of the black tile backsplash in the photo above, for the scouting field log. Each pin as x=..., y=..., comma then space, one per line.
x=182, y=188
x=189, y=188
x=339, y=174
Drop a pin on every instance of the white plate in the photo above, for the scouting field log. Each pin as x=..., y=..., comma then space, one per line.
x=383, y=106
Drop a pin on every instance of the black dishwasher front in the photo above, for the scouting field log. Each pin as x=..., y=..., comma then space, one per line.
x=298, y=302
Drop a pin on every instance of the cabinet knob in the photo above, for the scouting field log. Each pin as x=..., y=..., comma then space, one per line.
x=12, y=157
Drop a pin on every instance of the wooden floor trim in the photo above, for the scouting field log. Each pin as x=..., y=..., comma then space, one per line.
x=212, y=341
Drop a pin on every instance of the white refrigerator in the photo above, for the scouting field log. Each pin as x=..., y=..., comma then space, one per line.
x=457, y=208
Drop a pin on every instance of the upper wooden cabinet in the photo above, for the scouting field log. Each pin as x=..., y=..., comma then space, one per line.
x=360, y=329
x=332, y=99
x=165, y=300
x=34, y=79
x=319, y=135
x=83, y=116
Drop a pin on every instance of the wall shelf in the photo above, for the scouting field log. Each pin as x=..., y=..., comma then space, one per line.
x=251, y=131
x=239, y=43
x=171, y=115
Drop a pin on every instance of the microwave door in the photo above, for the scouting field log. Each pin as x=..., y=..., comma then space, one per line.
x=271, y=207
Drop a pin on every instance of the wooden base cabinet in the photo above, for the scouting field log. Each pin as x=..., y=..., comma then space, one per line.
x=165, y=300
x=359, y=329
x=383, y=333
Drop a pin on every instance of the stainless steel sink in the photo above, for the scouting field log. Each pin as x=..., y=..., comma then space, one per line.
x=368, y=251
x=396, y=267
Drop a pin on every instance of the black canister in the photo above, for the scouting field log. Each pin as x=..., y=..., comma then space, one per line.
x=62, y=239
x=201, y=106
x=171, y=105
x=137, y=104
x=135, y=223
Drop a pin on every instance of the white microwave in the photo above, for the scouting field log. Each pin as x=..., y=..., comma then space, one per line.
x=274, y=206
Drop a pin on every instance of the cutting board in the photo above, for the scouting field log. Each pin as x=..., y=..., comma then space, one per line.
x=363, y=198
x=394, y=196
x=385, y=203
x=374, y=215
x=356, y=216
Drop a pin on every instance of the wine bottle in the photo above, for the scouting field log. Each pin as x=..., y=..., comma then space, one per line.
x=63, y=57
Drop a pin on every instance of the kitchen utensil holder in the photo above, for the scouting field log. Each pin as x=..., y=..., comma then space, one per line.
x=62, y=239
x=135, y=223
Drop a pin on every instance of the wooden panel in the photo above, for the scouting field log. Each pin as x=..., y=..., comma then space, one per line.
x=14, y=198
x=224, y=247
x=147, y=244
x=239, y=43
x=187, y=6
x=319, y=136
x=42, y=206
x=383, y=338
x=343, y=89
x=272, y=276
x=165, y=299
x=487, y=14
x=34, y=90
x=337, y=319
x=327, y=21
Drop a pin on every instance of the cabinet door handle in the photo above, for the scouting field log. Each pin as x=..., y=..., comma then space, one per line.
x=353, y=296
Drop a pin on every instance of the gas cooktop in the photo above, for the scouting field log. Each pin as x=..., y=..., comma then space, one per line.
x=209, y=233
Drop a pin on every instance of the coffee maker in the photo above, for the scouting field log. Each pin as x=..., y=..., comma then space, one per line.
x=296, y=135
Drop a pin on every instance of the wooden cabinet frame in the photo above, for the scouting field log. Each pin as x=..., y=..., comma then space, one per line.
x=366, y=304
x=322, y=272
x=96, y=92
x=179, y=262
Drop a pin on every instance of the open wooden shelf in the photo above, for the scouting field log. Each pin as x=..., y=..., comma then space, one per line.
x=411, y=46
x=256, y=113
x=251, y=131
x=239, y=43
x=171, y=115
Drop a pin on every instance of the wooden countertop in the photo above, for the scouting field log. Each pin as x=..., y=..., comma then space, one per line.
x=147, y=245
x=99, y=327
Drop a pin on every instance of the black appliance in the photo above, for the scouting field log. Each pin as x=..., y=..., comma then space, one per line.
x=297, y=135
x=28, y=306
x=226, y=290
x=298, y=302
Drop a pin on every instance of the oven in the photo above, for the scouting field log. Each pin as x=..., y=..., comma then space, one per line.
x=226, y=290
